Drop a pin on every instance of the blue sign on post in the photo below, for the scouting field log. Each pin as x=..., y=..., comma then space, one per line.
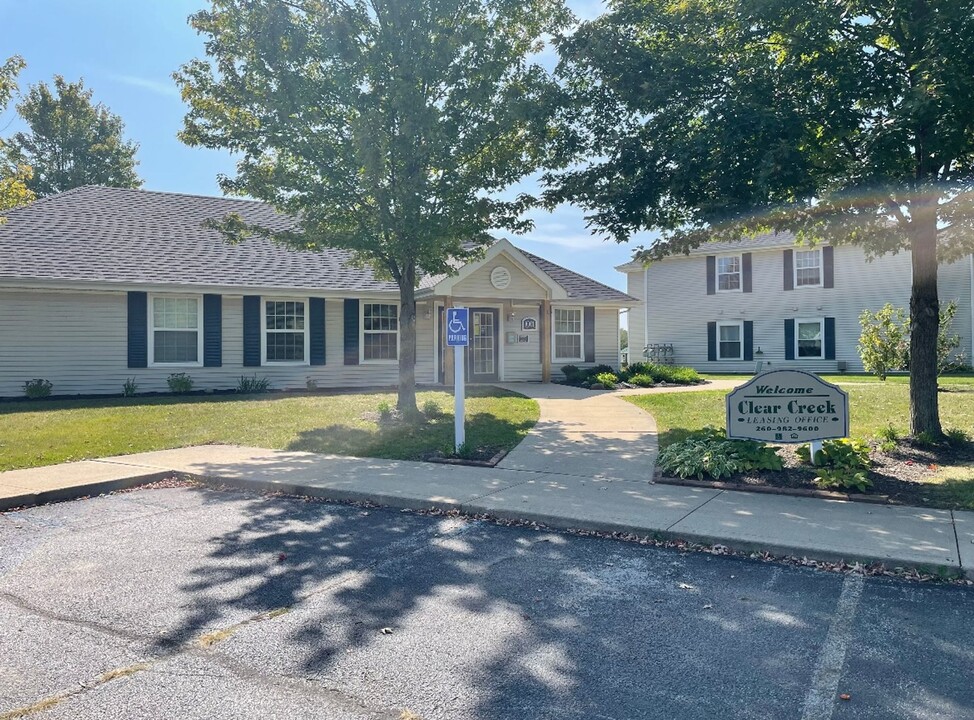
x=457, y=327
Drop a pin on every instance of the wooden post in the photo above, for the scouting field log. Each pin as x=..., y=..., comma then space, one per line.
x=544, y=337
x=447, y=351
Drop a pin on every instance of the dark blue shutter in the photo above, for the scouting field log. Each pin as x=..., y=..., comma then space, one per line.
x=138, y=330
x=789, y=339
x=746, y=272
x=789, y=279
x=316, y=319
x=711, y=274
x=711, y=341
x=212, y=331
x=829, y=338
x=828, y=266
x=748, y=340
x=588, y=339
x=351, y=332
x=251, y=331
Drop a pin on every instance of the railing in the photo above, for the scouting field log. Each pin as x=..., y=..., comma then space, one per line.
x=660, y=353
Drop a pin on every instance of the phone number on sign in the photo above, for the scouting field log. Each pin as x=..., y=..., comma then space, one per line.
x=788, y=428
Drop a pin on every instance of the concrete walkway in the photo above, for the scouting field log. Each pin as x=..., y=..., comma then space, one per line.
x=586, y=465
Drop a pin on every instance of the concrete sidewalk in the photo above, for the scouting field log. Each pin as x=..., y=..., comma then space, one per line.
x=585, y=465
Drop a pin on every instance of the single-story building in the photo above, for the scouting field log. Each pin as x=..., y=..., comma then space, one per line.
x=730, y=306
x=99, y=285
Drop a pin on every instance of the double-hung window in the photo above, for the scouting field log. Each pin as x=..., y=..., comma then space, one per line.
x=568, y=333
x=175, y=335
x=285, y=331
x=729, y=273
x=730, y=341
x=808, y=268
x=809, y=338
x=380, y=332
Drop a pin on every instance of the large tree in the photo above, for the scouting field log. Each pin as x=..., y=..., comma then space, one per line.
x=386, y=127
x=844, y=121
x=13, y=177
x=71, y=141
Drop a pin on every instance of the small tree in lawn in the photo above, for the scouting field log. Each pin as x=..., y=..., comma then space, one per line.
x=382, y=126
x=884, y=340
x=71, y=141
x=947, y=340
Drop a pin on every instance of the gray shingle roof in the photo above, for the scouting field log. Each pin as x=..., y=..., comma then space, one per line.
x=117, y=236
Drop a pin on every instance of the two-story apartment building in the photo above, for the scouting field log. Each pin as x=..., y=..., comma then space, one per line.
x=726, y=307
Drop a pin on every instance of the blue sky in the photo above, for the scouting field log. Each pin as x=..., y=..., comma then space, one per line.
x=126, y=51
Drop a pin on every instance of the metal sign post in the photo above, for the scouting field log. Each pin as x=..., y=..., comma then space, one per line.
x=458, y=337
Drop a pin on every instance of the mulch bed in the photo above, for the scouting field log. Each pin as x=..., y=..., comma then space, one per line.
x=898, y=476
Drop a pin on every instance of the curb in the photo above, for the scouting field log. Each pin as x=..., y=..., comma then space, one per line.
x=76, y=492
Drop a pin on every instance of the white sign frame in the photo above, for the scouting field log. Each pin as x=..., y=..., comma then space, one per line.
x=803, y=408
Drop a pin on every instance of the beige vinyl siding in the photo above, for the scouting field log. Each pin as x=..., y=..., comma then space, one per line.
x=522, y=361
x=478, y=285
x=78, y=341
x=679, y=307
x=635, y=286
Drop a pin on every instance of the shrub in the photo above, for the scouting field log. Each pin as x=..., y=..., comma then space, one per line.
x=607, y=379
x=179, y=383
x=598, y=370
x=38, y=388
x=253, y=384
x=840, y=464
x=673, y=374
x=130, y=387
x=889, y=433
x=385, y=410
x=431, y=409
x=641, y=380
x=884, y=340
x=708, y=452
x=571, y=372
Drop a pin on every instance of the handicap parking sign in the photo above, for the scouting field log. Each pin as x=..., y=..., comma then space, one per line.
x=457, y=327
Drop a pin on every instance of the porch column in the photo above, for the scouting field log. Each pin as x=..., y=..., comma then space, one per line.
x=447, y=351
x=544, y=337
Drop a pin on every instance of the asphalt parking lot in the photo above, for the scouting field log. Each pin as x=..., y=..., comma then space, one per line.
x=192, y=603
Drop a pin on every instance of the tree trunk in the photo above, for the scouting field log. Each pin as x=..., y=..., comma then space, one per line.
x=924, y=323
x=406, y=403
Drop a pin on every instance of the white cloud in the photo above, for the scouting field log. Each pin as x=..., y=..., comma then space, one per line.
x=159, y=87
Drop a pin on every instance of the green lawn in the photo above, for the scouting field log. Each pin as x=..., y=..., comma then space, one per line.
x=856, y=379
x=47, y=432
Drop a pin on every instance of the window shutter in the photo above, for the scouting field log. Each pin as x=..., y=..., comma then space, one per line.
x=588, y=339
x=789, y=270
x=711, y=341
x=746, y=272
x=138, y=330
x=789, y=339
x=212, y=331
x=748, y=340
x=828, y=266
x=830, y=338
x=251, y=331
x=351, y=331
x=316, y=330
x=711, y=274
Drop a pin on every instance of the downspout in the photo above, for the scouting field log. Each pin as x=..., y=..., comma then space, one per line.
x=645, y=312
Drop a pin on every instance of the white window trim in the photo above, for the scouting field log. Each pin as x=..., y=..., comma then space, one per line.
x=821, y=268
x=821, y=327
x=263, y=332
x=739, y=324
x=581, y=334
x=361, y=331
x=740, y=273
x=152, y=331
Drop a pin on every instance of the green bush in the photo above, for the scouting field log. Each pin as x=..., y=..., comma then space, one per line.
x=607, y=379
x=641, y=380
x=673, y=374
x=385, y=410
x=708, y=452
x=130, y=387
x=842, y=464
x=38, y=388
x=253, y=384
x=570, y=371
x=179, y=383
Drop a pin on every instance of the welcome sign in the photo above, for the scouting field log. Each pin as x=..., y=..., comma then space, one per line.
x=787, y=406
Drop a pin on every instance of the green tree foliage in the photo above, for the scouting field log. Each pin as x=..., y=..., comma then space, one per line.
x=883, y=341
x=383, y=126
x=71, y=141
x=843, y=122
x=623, y=339
x=948, y=341
x=13, y=176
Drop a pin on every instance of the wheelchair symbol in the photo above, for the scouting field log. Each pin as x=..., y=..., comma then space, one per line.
x=456, y=325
